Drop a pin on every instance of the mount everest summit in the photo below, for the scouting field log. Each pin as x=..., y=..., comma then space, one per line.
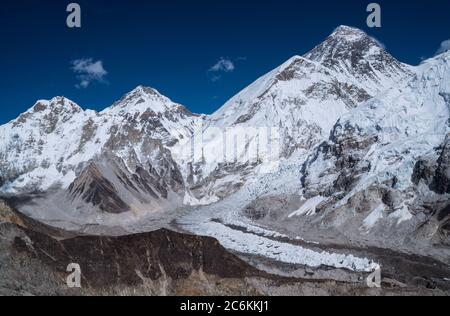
x=360, y=141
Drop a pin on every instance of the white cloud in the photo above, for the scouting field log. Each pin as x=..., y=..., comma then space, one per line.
x=445, y=46
x=215, y=78
x=88, y=71
x=223, y=65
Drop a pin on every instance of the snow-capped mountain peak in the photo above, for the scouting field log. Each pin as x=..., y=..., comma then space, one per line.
x=345, y=42
x=58, y=104
x=47, y=115
x=348, y=68
x=360, y=57
x=142, y=99
x=348, y=33
x=145, y=110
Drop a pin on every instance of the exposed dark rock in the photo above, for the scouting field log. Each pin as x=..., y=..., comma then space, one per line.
x=441, y=180
x=107, y=262
x=444, y=213
x=346, y=147
x=423, y=170
x=435, y=173
x=117, y=185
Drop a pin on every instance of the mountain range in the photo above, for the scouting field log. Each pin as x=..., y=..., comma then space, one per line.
x=360, y=141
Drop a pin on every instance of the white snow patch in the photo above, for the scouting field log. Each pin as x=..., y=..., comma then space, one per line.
x=401, y=215
x=192, y=201
x=374, y=217
x=309, y=207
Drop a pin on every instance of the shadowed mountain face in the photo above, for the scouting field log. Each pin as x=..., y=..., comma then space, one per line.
x=93, y=188
x=109, y=185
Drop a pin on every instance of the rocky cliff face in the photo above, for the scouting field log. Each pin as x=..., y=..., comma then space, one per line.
x=109, y=185
x=435, y=172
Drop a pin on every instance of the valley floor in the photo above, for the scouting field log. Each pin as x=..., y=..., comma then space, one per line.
x=253, y=262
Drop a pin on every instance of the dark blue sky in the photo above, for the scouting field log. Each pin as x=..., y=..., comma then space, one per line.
x=170, y=45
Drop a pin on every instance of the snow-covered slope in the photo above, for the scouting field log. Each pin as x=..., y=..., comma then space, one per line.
x=346, y=69
x=45, y=146
x=299, y=102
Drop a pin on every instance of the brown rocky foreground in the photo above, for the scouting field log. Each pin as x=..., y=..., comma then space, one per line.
x=34, y=260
